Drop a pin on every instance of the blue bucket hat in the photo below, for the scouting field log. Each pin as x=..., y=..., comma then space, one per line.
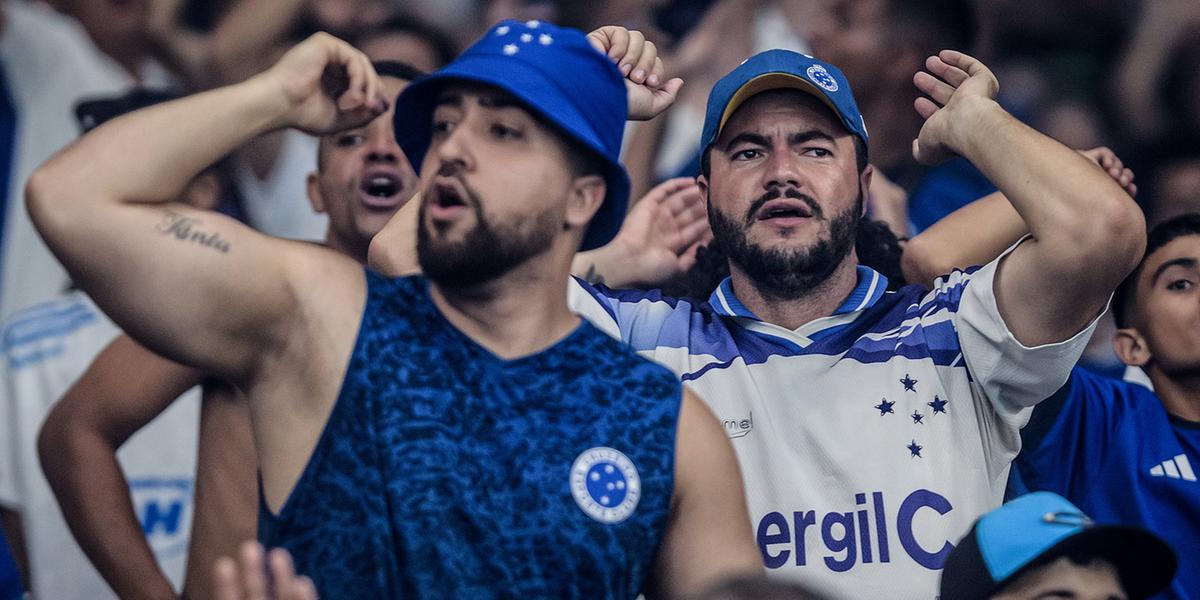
x=1007, y=542
x=554, y=73
x=781, y=69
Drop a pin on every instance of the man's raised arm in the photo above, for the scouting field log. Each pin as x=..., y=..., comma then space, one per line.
x=194, y=286
x=1087, y=232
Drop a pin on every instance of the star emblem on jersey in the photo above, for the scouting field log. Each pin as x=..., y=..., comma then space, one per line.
x=918, y=418
x=605, y=484
x=885, y=407
x=914, y=449
x=910, y=384
x=938, y=405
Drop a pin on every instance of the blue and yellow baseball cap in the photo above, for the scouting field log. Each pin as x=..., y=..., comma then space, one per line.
x=781, y=69
x=554, y=73
x=1039, y=527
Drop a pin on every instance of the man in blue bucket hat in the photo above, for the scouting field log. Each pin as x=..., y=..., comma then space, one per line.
x=462, y=434
x=873, y=427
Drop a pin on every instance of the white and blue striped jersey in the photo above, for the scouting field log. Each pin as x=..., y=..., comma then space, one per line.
x=45, y=348
x=869, y=440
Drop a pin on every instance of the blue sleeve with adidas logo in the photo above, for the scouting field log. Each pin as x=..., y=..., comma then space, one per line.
x=1112, y=449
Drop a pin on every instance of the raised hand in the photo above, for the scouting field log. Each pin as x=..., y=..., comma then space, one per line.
x=327, y=84
x=1112, y=165
x=649, y=92
x=663, y=230
x=246, y=579
x=955, y=84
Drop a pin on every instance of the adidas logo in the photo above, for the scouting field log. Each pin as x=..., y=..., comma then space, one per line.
x=1175, y=468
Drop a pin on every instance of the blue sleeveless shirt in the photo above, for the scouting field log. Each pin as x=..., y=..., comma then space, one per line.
x=445, y=471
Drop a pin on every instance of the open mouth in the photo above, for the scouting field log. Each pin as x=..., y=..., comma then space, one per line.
x=784, y=208
x=382, y=190
x=447, y=196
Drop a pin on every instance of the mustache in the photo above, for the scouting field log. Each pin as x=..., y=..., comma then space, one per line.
x=780, y=192
x=454, y=171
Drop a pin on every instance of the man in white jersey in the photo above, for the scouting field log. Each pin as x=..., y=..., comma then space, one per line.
x=873, y=428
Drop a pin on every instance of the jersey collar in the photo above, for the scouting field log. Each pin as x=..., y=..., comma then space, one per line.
x=869, y=289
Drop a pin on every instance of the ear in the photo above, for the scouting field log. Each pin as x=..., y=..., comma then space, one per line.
x=313, y=187
x=204, y=191
x=1131, y=347
x=702, y=181
x=864, y=180
x=585, y=197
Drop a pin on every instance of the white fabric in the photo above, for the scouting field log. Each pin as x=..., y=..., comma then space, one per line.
x=50, y=64
x=45, y=349
x=278, y=205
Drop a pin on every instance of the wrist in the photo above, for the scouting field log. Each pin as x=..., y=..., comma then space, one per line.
x=977, y=119
x=267, y=102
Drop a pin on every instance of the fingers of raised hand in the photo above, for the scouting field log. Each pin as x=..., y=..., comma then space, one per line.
x=288, y=586
x=951, y=74
x=935, y=88
x=611, y=40
x=647, y=61
x=925, y=107
x=225, y=579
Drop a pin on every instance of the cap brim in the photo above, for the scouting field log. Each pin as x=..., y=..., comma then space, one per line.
x=1145, y=563
x=413, y=124
x=772, y=81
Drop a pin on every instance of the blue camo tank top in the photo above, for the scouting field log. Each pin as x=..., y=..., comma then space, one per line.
x=445, y=471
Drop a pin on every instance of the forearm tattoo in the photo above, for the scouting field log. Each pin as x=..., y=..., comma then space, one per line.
x=187, y=229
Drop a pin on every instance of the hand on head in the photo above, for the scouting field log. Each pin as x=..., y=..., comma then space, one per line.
x=1112, y=165
x=328, y=86
x=954, y=84
x=246, y=578
x=650, y=92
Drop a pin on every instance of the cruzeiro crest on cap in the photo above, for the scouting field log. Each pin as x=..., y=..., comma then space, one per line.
x=821, y=77
x=605, y=484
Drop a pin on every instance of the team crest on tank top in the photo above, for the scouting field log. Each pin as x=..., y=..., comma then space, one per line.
x=605, y=484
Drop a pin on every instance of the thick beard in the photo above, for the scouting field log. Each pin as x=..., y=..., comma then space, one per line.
x=787, y=273
x=484, y=254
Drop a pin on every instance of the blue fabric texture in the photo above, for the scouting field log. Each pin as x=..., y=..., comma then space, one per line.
x=1112, y=449
x=10, y=580
x=447, y=472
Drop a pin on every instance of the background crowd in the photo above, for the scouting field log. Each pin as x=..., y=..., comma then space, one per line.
x=1118, y=73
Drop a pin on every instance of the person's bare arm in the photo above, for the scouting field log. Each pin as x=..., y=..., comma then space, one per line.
x=1087, y=234
x=78, y=450
x=196, y=286
x=980, y=231
x=708, y=538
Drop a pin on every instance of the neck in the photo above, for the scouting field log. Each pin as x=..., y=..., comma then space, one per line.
x=1180, y=395
x=520, y=313
x=791, y=313
x=356, y=249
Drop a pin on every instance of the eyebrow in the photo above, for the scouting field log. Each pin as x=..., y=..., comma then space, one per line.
x=1188, y=263
x=759, y=139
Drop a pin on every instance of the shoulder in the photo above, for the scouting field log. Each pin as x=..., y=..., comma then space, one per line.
x=614, y=360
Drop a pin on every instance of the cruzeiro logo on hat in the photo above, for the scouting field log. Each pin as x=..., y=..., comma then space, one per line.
x=821, y=77
x=605, y=484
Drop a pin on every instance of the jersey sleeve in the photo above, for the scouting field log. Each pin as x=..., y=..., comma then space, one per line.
x=1011, y=375
x=1069, y=434
x=636, y=317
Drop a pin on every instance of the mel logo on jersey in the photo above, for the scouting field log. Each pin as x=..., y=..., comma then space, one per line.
x=860, y=535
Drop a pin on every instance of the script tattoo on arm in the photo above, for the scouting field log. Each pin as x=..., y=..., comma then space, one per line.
x=186, y=229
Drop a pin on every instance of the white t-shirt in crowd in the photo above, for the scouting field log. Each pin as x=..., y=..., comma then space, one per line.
x=278, y=205
x=45, y=350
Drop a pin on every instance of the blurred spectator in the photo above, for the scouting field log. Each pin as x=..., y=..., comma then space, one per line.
x=1158, y=70
x=406, y=40
x=1174, y=189
x=45, y=348
x=1042, y=546
x=47, y=62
